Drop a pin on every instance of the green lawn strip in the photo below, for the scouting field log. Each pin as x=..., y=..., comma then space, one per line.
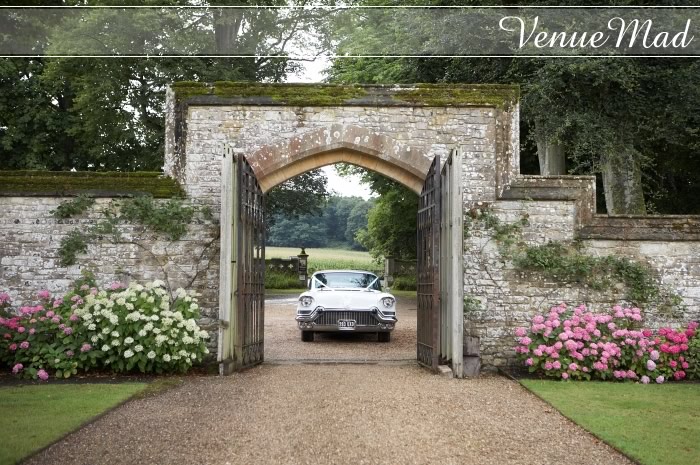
x=653, y=424
x=34, y=416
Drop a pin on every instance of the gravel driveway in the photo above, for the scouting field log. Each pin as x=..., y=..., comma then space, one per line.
x=334, y=414
x=380, y=409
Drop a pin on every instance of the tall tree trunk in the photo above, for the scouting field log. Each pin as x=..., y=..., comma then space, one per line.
x=622, y=183
x=551, y=157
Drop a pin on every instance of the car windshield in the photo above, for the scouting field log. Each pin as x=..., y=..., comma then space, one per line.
x=346, y=280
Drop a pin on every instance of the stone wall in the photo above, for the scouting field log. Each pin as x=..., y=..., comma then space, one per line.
x=30, y=237
x=561, y=209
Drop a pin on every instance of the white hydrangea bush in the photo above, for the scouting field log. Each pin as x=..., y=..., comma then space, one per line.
x=140, y=327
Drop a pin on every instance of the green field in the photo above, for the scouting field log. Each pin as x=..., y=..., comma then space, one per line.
x=327, y=259
x=653, y=424
x=34, y=416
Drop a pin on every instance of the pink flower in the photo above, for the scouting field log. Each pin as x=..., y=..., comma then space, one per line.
x=21, y=329
x=525, y=341
x=679, y=375
x=538, y=319
x=645, y=379
x=32, y=330
x=24, y=345
x=673, y=363
x=573, y=367
x=556, y=365
x=13, y=347
x=85, y=347
x=537, y=352
x=685, y=365
x=68, y=331
x=56, y=319
x=84, y=287
x=116, y=285
x=4, y=298
x=17, y=368
x=74, y=317
x=565, y=375
x=69, y=353
x=43, y=294
x=520, y=332
x=651, y=366
x=50, y=314
x=43, y=375
x=654, y=355
x=631, y=374
x=529, y=362
x=660, y=380
x=547, y=365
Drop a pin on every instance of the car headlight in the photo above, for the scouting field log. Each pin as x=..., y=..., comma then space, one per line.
x=306, y=301
x=388, y=302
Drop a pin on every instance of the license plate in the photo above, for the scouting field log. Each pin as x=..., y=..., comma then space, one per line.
x=346, y=325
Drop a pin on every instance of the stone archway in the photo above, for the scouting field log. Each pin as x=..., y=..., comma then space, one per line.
x=289, y=157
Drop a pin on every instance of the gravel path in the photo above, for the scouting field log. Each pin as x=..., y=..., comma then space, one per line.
x=283, y=338
x=382, y=413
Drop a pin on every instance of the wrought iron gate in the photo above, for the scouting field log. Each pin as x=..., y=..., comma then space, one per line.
x=250, y=265
x=428, y=345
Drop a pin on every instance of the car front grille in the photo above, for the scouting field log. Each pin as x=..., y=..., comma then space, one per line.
x=331, y=317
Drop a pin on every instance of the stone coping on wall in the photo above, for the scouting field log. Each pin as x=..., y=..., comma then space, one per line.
x=96, y=184
x=581, y=190
x=299, y=94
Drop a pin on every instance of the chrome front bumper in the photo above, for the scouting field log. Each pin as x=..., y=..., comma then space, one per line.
x=366, y=321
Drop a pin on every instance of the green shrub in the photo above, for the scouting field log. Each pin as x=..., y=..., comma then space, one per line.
x=277, y=280
x=405, y=283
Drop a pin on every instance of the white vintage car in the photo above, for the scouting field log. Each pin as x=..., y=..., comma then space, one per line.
x=346, y=300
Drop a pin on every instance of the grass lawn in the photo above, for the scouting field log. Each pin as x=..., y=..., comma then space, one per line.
x=36, y=415
x=654, y=424
x=320, y=259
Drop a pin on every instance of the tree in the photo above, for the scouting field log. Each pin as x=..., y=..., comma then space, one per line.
x=302, y=195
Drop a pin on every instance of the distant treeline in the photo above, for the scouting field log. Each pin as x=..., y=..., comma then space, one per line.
x=336, y=225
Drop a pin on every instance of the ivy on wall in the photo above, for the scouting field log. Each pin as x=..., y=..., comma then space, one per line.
x=568, y=263
x=169, y=218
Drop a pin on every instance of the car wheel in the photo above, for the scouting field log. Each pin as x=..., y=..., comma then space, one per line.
x=384, y=337
x=307, y=336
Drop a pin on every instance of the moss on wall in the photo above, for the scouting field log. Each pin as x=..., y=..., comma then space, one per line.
x=500, y=96
x=60, y=183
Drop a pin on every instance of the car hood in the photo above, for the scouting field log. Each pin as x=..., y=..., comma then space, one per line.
x=347, y=299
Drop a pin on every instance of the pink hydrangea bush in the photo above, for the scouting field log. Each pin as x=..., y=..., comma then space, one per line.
x=42, y=338
x=576, y=343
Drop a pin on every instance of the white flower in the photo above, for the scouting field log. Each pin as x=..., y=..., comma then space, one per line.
x=121, y=301
x=128, y=353
x=188, y=299
x=94, y=339
x=142, y=333
x=151, y=355
x=143, y=295
x=138, y=288
x=148, y=327
x=116, y=343
x=176, y=357
x=178, y=316
x=206, y=351
x=114, y=319
x=92, y=327
x=129, y=340
x=167, y=321
x=138, y=348
x=158, y=283
x=165, y=305
x=105, y=348
x=187, y=340
x=150, y=300
x=133, y=316
x=87, y=316
x=184, y=353
x=204, y=334
x=155, y=318
x=105, y=331
x=180, y=292
x=156, y=330
x=166, y=358
x=129, y=306
x=109, y=304
x=115, y=334
x=193, y=356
